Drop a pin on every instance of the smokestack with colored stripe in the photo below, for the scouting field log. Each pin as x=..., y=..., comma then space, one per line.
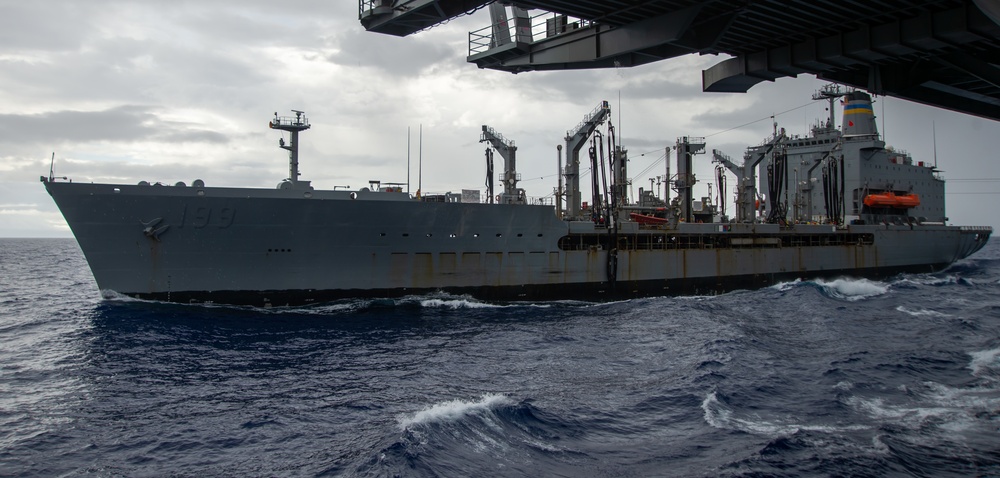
x=859, y=119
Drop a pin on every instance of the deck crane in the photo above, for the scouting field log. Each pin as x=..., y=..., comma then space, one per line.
x=745, y=185
x=746, y=175
x=511, y=193
x=575, y=139
x=686, y=148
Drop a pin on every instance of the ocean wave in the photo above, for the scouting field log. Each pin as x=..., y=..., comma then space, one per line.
x=853, y=289
x=436, y=300
x=985, y=364
x=843, y=289
x=787, y=286
x=974, y=401
x=444, y=300
x=488, y=436
x=459, y=304
x=934, y=406
x=453, y=410
x=973, y=265
x=700, y=298
x=934, y=280
x=907, y=416
x=843, y=385
x=719, y=415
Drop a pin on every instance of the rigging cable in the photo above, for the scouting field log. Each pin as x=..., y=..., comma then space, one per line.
x=613, y=212
x=594, y=178
x=489, y=174
x=604, y=182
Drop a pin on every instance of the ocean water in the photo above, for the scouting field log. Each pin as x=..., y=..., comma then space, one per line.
x=848, y=377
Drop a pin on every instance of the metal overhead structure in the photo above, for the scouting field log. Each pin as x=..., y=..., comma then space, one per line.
x=943, y=53
x=403, y=17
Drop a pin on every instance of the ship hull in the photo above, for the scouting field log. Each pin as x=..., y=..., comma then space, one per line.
x=279, y=247
x=595, y=291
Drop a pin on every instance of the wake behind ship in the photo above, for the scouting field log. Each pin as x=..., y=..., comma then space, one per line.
x=833, y=202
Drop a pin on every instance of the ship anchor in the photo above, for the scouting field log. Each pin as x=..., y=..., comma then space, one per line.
x=153, y=232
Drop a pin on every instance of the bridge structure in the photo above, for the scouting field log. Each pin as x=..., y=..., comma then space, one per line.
x=943, y=53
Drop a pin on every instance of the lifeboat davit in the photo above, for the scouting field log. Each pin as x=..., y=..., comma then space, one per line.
x=890, y=199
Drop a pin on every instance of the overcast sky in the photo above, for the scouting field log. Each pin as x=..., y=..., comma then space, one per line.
x=125, y=91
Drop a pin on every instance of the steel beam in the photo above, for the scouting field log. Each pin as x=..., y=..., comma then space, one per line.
x=404, y=17
x=869, y=57
x=596, y=46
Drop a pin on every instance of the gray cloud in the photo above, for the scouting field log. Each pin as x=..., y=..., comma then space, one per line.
x=43, y=26
x=405, y=57
x=124, y=123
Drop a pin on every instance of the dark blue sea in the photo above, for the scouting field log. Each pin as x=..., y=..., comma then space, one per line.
x=845, y=377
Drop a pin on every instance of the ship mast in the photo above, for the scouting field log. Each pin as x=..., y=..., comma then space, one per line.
x=293, y=126
x=830, y=92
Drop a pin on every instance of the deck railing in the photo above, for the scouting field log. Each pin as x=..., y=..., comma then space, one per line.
x=371, y=5
x=542, y=26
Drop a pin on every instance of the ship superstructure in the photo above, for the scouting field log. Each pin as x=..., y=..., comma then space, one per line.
x=834, y=202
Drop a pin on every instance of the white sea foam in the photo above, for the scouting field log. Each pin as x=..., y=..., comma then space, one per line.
x=449, y=301
x=458, y=304
x=715, y=414
x=853, y=289
x=541, y=445
x=696, y=298
x=968, y=403
x=317, y=309
x=952, y=410
x=109, y=294
x=908, y=416
x=786, y=286
x=453, y=410
x=930, y=280
x=880, y=446
x=719, y=416
x=921, y=312
x=847, y=289
x=843, y=386
x=475, y=304
x=985, y=363
x=331, y=308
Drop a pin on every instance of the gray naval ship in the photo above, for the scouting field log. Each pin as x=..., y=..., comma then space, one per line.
x=833, y=202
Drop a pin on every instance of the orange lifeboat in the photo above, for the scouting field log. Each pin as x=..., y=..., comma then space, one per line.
x=647, y=220
x=890, y=199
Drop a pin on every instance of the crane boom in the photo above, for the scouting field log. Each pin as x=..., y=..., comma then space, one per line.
x=508, y=151
x=575, y=139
